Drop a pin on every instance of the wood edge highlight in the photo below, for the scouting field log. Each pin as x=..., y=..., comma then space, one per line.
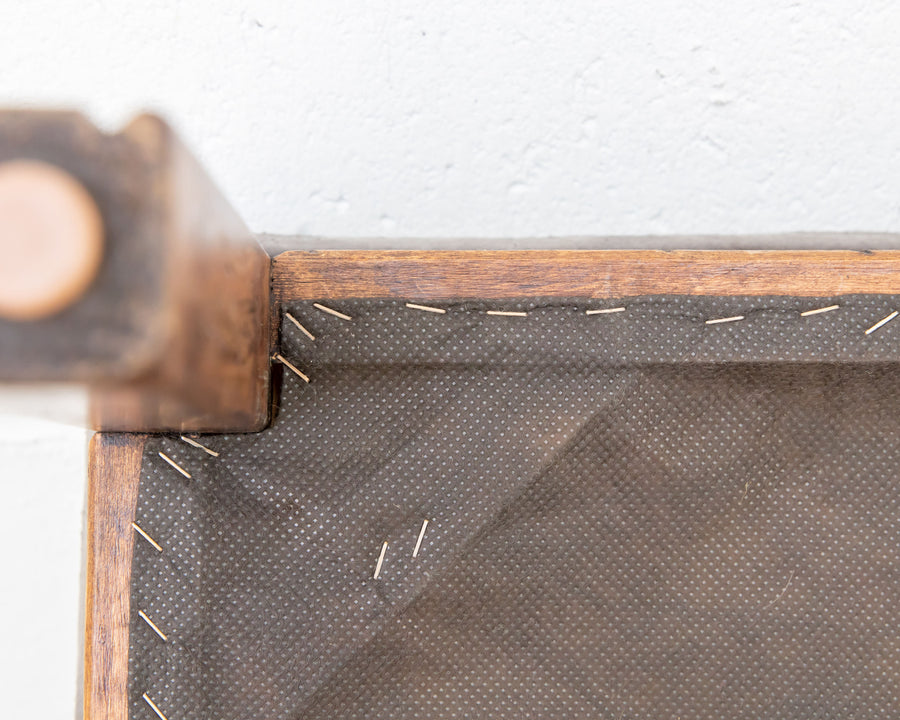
x=113, y=477
x=442, y=274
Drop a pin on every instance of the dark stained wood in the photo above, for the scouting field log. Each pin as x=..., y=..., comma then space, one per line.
x=424, y=275
x=113, y=478
x=173, y=334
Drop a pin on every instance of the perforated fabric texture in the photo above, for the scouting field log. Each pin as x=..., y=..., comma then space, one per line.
x=630, y=515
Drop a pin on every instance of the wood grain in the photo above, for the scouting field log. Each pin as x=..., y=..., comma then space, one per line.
x=113, y=478
x=423, y=275
x=173, y=332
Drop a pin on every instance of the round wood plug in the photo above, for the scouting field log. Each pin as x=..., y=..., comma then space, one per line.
x=51, y=240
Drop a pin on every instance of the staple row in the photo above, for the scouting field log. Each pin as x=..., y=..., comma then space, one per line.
x=159, y=548
x=521, y=314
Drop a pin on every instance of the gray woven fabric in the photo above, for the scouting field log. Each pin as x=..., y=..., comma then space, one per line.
x=632, y=515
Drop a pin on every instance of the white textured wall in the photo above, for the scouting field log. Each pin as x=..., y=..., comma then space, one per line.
x=434, y=118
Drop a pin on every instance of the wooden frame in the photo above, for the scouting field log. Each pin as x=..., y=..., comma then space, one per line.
x=115, y=460
x=113, y=477
x=581, y=273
